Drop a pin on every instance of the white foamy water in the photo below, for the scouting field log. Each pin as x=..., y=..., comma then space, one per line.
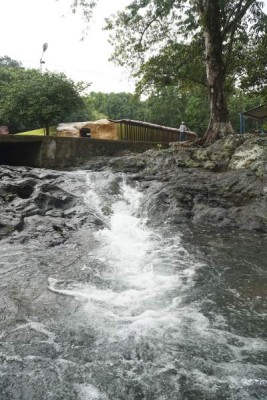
x=147, y=266
x=140, y=309
x=133, y=312
x=89, y=392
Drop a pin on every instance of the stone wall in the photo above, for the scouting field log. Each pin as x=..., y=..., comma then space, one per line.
x=20, y=150
x=53, y=152
x=60, y=152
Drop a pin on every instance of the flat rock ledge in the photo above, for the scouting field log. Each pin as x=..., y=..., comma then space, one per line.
x=223, y=186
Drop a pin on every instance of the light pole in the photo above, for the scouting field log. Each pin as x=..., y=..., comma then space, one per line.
x=45, y=45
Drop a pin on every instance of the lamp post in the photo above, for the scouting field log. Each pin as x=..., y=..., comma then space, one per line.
x=45, y=46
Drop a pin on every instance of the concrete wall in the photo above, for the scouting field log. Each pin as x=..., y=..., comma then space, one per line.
x=59, y=151
x=54, y=152
x=20, y=150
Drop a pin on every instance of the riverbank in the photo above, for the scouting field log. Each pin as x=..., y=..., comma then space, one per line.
x=222, y=186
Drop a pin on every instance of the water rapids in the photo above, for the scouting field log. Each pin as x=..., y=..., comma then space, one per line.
x=127, y=310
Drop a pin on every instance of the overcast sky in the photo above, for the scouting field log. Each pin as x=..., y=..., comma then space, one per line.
x=27, y=24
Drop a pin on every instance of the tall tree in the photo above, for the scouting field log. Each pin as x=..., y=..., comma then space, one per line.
x=211, y=31
x=30, y=99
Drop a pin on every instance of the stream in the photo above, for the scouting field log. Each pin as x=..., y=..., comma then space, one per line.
x=124, y=309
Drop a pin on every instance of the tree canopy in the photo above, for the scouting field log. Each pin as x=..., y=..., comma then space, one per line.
x=169, y=107
x=115, y=105
x=196, y=42
x=176, y=49
x=31, y=99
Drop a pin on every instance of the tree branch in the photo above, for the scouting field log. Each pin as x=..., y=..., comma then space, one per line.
x=229, y=53
x=147, y=27
x=239, y=11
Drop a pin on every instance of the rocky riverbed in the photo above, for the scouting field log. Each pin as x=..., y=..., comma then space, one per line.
x=140, y=276
x=222, y=186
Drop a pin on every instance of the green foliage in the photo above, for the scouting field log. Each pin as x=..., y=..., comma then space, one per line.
x=168, y=106
x=254, y=71
x=240, y=102
x=30, y=99
x=6, y=61
x=176, y=64
x=185, y=44
x=83, y=114
x=115, y=105
x=85, y=5
x=96, y=105
x=171, y=105
x=197, y=111
x=162, y=42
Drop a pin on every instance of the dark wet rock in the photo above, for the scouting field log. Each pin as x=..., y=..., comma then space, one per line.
x=230, y=199
x=47, y=201
x=126, y=164
x=35, y=206
x=223, y=185
x=10, y=221
x=57, y=338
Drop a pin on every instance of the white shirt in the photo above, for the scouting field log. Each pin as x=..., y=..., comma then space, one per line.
x=182, y=128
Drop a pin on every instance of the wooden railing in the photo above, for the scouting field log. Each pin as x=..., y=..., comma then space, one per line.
x=139, y=131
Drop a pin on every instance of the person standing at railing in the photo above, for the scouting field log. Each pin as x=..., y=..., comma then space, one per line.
x=183, y=128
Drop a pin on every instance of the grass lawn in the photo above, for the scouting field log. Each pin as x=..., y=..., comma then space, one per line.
x=38, y=132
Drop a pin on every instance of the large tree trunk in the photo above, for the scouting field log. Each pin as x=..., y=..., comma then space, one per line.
x=219, y=124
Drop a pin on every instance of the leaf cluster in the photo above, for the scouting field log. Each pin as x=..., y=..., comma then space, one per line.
x=162, y=42
x=30, y=99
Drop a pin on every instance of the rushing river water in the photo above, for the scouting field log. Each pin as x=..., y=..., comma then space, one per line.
x=130, y=310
